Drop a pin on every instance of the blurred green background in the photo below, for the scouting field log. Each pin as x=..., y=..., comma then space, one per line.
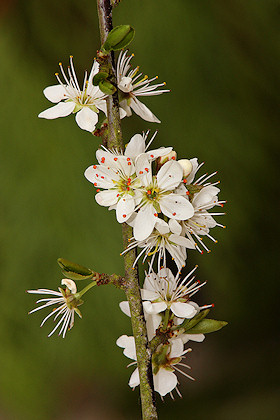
x=221, y=61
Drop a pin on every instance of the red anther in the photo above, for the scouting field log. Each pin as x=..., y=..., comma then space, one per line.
x=98, y=190
x=94, y=166
x=103, y=160
x=102, y=177
x=118, y=195
x=129, y=163
x=124, y=215
x=184, y=181
x=95, y=184
x=115, y=159
x=198, y=281
x=155, y=214
x=149, y=192
x=146, y=169
x=187, y=192
x=128, y=159
x=141, y=172
x=213, y=305
x=201, y=252
x=127, y=188
x=173, y=158
x=152, y=156
x=174, y=214
x=97, y=175
x=222, y=205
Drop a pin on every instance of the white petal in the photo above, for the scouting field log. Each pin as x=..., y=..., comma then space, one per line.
x=124, y=306
x=86, y=119
x=143, y=112
x=175, y=227
x=170, y=175
x=191, y=176
x=134, y=379
x=106, y=198
x=94, y=71
x=194, y=337
x=125, y=84
x=182, y=241
x=135, y=147
x=144, y=169
x=162, y=227
x=62, y=109
x=165, y=381
x=154, y=308
x=101, y=176
x=152, y=322
x=162, y=151
x=144, y=223
x=125, y=208
x=70, y=284
x=55, y=93
x=205, y=196
x=148, y=294
x=183, y=310
x=128, y=343
x=176, y=207
x=177, y=348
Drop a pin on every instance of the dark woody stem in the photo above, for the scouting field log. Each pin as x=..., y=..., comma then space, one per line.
x=131, y=279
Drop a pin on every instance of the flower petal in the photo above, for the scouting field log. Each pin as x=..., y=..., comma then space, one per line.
x=148, y=294
x=183, y=310
x=144, y=223
x=194, y=337
x=106, y=198
x=165, y=381
x=170, y=175
x=176, y=207
x=125, y=208
x=154, y=308
x=128, y=343
x=152, y=321
x=70, y=284
x=62, y=109
x=182, y=241
x=55, y=93
x=175, y=227
x=141, y=110
x=144, y=169
x=86, y=119
x=135, y=147
x=134, y=379
x=177, y=348
x=124, y=306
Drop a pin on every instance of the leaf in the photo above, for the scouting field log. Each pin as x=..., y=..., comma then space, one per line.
x=190, y=323
x=206, y=326
x=74, y=271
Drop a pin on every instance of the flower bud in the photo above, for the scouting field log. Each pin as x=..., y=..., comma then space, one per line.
x=106, y=87
x=118, y=38
x=186, y=166
x=163, y=159
x=74, y=271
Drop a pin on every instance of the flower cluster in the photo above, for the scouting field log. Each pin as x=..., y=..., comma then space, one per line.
x=86, y=102
x=167, y=305
x=158, y=196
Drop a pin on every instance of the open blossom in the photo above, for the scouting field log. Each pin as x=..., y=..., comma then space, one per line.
x=157, y=196
x=70, y=98
x=116, y=175
x=66, y=306
x=165, y=362
x=132, y=85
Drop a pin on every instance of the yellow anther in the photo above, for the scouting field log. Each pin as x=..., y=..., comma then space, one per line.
x=60, y=63
x=71, y=56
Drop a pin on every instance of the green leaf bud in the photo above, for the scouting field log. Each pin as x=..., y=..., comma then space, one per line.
x=190, y=323
x=102, y=75
x=74, y=271
x=107, y=87
x=118, y=38
x=207, y=326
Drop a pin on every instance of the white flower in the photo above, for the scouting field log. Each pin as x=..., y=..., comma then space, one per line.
x=164, y=362
x=69, y=98
x=163, y=238
x=157, y=196
x=132, y=85
x=66, y=302
x=164, y=291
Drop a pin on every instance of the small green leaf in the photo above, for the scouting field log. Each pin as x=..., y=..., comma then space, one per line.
x=118, y=38
x=207, y=326
x=190, y=323
x=74, y=271
x=102, y=75
x=107, y=87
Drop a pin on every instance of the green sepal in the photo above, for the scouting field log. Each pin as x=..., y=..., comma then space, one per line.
x=118, y=38
x=107, y=87
x=190, y=323
x=102, y=75
x=207, y=326
x=74, y=271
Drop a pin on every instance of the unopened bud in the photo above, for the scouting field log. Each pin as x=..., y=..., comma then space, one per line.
x=118, y=38
x=74, y=271
x=163, y=159
x=186, y=166
x=107, y=87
